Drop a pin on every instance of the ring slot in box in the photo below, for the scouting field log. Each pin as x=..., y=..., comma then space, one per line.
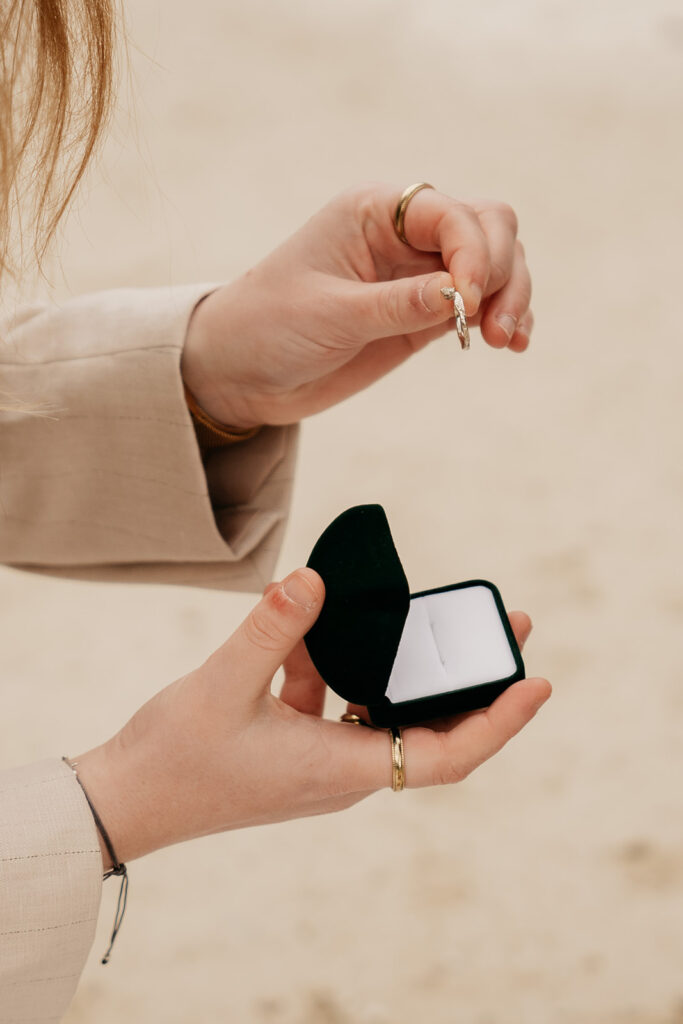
x=406, y=658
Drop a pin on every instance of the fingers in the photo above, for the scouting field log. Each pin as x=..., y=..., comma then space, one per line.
x=479, y=247
x=521, y=626
x=304, y=688
x=437, y=758
x=373, y=361
x=520, y=341
x=433, y=758
x=447, y=754
x=437, y=223
x=271, y=631
x=406, y=305
x=508, y=307
x=499, y=224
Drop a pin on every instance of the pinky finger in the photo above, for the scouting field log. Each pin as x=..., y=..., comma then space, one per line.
x=437, y=758
x=506, y=309
x=509, y=713
x=521, y=337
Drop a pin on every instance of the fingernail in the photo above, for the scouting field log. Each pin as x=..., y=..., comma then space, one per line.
x=475, y=294
x=431, y=295
x=507, y=323
x=300, y=591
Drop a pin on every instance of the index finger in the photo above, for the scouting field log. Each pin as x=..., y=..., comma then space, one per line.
x=437, y=223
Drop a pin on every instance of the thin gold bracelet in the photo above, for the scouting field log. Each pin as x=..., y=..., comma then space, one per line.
x=210, y=432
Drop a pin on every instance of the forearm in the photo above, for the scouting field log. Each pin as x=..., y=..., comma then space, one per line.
x=110, y=483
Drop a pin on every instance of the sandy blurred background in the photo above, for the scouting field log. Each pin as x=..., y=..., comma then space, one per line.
x=549, y=886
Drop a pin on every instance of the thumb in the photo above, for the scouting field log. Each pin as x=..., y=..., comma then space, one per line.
x=405, y=305
x=272, y=629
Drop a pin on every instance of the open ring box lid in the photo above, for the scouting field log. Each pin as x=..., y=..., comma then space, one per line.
x=407, y=658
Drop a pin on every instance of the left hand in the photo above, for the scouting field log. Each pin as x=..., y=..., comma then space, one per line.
x=343, y=301
x=216, y=750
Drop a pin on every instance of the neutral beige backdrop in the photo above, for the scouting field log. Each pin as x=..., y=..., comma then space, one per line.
x=549, y=886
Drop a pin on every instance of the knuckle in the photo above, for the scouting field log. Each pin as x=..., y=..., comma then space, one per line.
x=524, y=293
x=448, y=768
x=449, y=772
x=457, y=213
x=454, y=765
x=365, y=190
x=389, y=300
x=498, y=275
x=417, y=308
x=263, y=630
x=508, y=215
x=334, y=785
x=362, y=199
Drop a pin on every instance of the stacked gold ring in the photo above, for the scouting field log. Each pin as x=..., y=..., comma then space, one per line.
x=398, y=763
x=402, y=206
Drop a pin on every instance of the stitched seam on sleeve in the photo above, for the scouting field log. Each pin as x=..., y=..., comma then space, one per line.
x=103, y=473
x=24, y=1020
x=38, y=981
x=86, y=523
x=134, y=419
x=95, y=355
x=36, y=782
x=60, y=416
x=50, y=928
x=52, y=853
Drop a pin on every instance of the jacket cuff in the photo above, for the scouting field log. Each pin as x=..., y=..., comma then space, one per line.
x=50, y=888
x=109, y=483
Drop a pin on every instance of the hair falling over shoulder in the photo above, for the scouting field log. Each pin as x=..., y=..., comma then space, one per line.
x=56, y=87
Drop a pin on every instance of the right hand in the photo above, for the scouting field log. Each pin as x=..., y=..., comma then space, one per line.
x=216, y=750
x=344, y=301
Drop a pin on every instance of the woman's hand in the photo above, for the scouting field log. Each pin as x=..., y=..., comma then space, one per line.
x=216, y=750
x=343, y=301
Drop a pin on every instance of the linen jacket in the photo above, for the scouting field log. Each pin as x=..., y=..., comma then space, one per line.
x=103, y=479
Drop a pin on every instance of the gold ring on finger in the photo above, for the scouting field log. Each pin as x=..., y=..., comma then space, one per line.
x=402, y=206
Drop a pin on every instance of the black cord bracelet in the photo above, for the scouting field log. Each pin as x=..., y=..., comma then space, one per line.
x=117, y=869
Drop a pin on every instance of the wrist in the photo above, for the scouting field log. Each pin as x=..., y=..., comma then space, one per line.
x=210, y=433
x=112, y=864
x=107, y=862
x=113, y=800
x=202, y=373
x=110, y=860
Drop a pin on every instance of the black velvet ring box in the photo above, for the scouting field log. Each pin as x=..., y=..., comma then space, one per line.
x=407, y=658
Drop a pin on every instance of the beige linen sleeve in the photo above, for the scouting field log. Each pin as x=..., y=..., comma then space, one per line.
x=50, y=886
x=106, y=481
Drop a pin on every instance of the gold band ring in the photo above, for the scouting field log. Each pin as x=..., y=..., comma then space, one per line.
x=355, y=720
x=402, y=206
x=398, y=763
